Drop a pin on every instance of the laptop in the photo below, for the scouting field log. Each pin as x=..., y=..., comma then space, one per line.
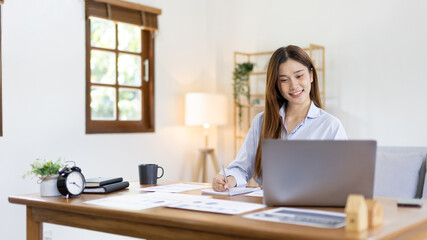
x=317, y=172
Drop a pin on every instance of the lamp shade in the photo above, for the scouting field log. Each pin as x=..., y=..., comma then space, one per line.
x=205, y=108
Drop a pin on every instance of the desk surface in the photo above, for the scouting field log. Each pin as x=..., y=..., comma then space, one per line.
x=169, y=223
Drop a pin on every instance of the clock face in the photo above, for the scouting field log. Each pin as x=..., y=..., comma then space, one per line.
x=75, y=183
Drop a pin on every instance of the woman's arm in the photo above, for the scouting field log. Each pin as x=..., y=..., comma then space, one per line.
x=241, y=169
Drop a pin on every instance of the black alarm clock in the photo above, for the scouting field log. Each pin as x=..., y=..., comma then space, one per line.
x=71, y=181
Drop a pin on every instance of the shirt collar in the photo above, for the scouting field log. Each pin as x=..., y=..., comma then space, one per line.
x=313, y=111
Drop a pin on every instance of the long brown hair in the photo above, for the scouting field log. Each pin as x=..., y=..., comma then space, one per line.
x=272, y=123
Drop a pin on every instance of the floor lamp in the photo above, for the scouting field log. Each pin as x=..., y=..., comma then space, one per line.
x=205, y=109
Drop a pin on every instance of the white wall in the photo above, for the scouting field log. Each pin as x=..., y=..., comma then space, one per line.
x=44, y=100
x=376, y=72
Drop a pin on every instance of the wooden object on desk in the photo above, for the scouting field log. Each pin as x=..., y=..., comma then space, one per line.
x=202, y=165
x=356, y=213
x=375, y=213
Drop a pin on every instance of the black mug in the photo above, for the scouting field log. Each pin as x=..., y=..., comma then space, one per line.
x=148, y=173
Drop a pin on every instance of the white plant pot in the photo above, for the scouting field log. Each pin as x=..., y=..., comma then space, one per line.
x=48, y=187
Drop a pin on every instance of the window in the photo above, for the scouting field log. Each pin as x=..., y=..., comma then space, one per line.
x=119, y=67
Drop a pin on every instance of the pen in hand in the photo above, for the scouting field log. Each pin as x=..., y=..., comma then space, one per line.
x=225, y=178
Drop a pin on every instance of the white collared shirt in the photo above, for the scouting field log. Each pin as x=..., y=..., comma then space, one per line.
x=318, y=125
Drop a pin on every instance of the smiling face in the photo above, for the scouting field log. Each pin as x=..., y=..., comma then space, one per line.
x=295, y=82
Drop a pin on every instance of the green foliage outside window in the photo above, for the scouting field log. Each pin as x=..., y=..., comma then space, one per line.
x=129, y=105
x=103, y=102
x=103, y=33
x=129, y=70
x=129, y=38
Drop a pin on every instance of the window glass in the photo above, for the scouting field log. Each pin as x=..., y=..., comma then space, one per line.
x=129, y=38
x=103, y=103
x=103, y=33
x=129, y=69
x=129, y=104
x=103, y=67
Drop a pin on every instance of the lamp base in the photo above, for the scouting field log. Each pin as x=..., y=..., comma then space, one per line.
x=202, y=164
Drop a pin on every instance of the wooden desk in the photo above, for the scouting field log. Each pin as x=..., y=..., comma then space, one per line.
x=168, y=223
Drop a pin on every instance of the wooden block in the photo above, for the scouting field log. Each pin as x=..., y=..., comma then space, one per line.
x=356, y=213
x=375, y=213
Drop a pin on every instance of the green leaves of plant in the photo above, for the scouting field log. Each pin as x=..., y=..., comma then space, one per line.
x=42, y=168
x=241, y=88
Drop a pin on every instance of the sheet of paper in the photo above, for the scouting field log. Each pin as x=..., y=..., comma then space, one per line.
x=218, y=206
x=131, y=202
x=233, y=191
x=172, y=188
x=180, y=197
x=306, y=217
x=259, y=193
x=145, y=201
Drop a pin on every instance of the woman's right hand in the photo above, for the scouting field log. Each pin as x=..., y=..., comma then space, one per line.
x=219, y=185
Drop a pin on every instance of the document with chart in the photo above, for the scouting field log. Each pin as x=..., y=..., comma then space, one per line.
x=306, y=217
x=145, y=200
x=218, y=206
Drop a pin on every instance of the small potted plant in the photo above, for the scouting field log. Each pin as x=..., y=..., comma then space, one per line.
x=47, y=172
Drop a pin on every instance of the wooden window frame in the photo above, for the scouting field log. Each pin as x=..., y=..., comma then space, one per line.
x=1, y=76
x=118, y=12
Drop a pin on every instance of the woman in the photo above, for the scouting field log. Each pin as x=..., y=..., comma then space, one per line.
x=292, y=111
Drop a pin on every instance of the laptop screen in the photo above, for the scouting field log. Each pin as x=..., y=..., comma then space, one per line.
x=317, y=172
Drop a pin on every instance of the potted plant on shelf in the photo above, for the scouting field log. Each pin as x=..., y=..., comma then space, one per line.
x=241, y=88
x=47, y=172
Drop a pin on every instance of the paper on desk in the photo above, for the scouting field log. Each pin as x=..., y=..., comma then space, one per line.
x=233, y=191
x=144, y=201
x=259, y=193
x=218, y=206
x=131, y=202
x=171, y=188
